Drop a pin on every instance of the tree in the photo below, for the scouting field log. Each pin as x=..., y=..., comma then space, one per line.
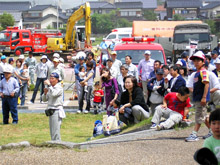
x=212, y=25
x=6, y=19
x=150, y=15
x=104, y=23
x=178, y=17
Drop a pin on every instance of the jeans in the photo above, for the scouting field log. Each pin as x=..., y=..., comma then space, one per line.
x=23, y=92
x=82, y=94
x=9, y=104
x=39, y=81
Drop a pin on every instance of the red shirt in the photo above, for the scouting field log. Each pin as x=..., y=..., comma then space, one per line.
x=175, y=104
x=98, y=99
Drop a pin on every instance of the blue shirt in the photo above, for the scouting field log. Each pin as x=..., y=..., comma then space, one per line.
x=8, y=87
x=198, y=85
x=145, y=67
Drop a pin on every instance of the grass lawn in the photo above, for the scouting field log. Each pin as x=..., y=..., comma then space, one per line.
x=35, y=128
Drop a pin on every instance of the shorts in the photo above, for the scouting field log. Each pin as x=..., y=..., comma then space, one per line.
x=97, y=104
x=200, y=113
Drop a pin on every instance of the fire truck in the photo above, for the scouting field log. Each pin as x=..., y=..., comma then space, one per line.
x=18, y=41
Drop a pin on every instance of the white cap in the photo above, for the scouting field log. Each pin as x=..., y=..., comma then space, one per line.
x=114, y=52
x=147, y=52
x=56, y=55
x=21, y=56
x=8, y=69
x=198, y=54
x=43, y=57
x=217, y=61
x=179, y=62
x=61, y=59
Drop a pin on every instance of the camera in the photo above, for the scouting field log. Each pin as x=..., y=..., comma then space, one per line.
x=104, y=79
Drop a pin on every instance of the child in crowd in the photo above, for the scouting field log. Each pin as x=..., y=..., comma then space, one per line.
x=25, y=74
x=213, y=142
x=114, y=109
x=98, y=95
x=82, y=76
x=201, y=93
x=98, y=128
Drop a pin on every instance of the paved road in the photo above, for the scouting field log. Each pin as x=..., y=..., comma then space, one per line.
x=167, y=148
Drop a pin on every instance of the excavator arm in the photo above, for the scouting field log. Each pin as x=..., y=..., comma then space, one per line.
x=83, y=11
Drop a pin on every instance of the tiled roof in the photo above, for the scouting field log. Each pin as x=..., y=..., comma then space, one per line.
x=147, y=4
x=183, y=4
x=40, y=7
x=15, y=6
x=211, y=5
x=129, y=5
x=97, y=5
x=40, y=19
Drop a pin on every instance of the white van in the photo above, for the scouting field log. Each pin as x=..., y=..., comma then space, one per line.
x=117, y=34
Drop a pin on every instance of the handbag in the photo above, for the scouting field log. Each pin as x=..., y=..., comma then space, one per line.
x=49, y=112
x=113, y=91
x=110, y=125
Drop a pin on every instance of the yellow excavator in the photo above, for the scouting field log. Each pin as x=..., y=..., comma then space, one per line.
x=77, y=37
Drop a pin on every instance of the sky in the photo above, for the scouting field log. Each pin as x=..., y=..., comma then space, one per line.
x=65, y=4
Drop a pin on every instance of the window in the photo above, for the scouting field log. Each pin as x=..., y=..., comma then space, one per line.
x=120, y=36
x=137, y=55
x=110, y=37
x=132, y=13
x=124, y=13
x=35, y=14
x=25, y=35
x=15, y=35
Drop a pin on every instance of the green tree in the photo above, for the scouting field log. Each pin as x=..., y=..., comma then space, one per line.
x=178, y=17
x=212, y=25
x=104, y=23
x=150, y=15
x=6, y=19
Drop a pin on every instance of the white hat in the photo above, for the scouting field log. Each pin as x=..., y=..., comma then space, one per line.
x=21, y=56
x=147, y=52
x=56, y=55
x=198, y=54
x=61, y=59
x=8, y=69
x=179, y=62
x=43, y=57
x=114, y=52
x=217, y=61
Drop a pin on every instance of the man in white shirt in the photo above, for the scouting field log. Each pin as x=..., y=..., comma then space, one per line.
x=132, y=69
x=116, y=63
x=3, y=65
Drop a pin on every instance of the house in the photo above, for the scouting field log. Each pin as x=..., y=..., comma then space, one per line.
x=15, y=9
x=161, y=12
x=96, y=7
x=43, y=16
x=147, y=4
x=188, y=9
x=212, y=10
x=130, y=10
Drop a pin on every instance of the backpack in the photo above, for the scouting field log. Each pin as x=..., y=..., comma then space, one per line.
x=98, y=129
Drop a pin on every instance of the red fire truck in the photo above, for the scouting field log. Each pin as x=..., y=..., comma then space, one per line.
x=17, y=41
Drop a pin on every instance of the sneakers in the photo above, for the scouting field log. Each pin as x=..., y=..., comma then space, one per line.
x=192, y=138
x=154, y=126
x=86, y=112
x=159, y=127
x=208, y=135
x=30, y=102
x=78, y=112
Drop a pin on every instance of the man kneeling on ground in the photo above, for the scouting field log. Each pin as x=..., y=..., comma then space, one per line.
x=175, y=108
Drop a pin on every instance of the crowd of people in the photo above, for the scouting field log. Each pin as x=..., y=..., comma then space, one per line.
x=136, y=92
